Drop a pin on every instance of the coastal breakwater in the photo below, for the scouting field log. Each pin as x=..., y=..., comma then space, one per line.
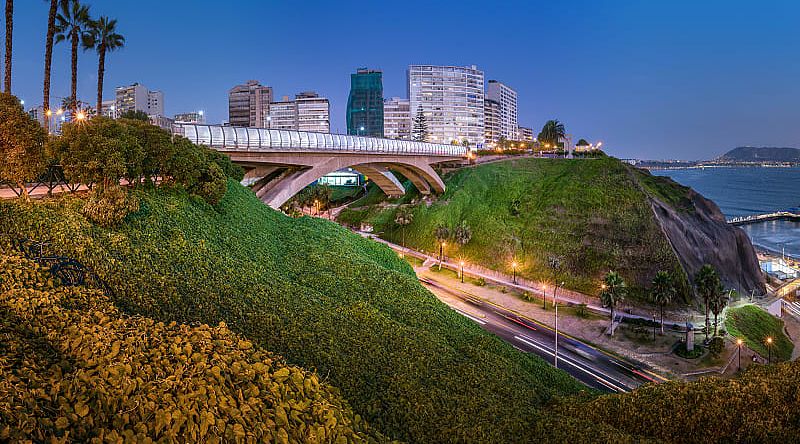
x=792, y=214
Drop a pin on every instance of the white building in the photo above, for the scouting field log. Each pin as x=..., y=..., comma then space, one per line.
x=137, y=97
x=308, y=112
x=491, y=121
x=161, y=122
x=110, y=109
x=248, y=104
x=191, y=117
x=397, y=118
x=507, y=98
x=525, y=134
x=451, y=98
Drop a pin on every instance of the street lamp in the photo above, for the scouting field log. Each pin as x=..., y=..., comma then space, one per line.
x=739, y=343
x=462, y=271
x=555, y=305
x=80, y=116
x=316, y=206
x=514, y=267
x=769, y=350
x=441, y=254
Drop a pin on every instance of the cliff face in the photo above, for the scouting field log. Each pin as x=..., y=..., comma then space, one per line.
x=702, y=237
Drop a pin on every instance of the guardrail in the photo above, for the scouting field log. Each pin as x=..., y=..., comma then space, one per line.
x=236, y=138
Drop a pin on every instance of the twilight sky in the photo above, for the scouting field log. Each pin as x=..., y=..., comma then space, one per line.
x=682, y=79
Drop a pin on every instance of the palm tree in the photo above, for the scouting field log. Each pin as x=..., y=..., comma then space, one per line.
x=48, y=58
x=552, y=132
x=404, y=217
x=9, y=35
x=706, y=282
x=102, y=37
x=662, y=292
x=719, y=300
x=612, y=293
x=72, y=24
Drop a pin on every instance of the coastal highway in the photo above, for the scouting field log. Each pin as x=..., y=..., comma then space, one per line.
x=585, y=363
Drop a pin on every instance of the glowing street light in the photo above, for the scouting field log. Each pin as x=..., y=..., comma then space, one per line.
x=555, y=305
x=739, y=343
x=80, y=115
x=514, y=267
x=769, y=349
x=462, y=271
x=441, y=254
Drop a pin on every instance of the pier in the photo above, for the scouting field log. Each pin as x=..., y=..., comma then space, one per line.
x=792, y=214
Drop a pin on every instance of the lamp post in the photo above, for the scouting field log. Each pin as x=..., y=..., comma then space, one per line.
x=769, y=350
x=739, y=343
x=555, y=305
x=514, y=268
x=462, y=271
x=441, y=254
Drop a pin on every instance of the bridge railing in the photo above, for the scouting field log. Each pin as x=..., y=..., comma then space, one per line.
x=263, y=139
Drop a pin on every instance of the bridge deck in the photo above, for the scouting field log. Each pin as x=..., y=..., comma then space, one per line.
x=232, y=138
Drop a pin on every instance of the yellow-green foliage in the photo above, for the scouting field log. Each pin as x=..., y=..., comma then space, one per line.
x=754, y=326
x=760, y=406
x=72, y=368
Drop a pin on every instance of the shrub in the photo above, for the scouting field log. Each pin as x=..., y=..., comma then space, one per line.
x=21, y=144
x=108, y=206
x=715, y=346
x=480, y=282
x=212, y=184
x=581, y=310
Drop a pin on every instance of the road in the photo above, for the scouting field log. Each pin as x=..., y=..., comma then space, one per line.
x=585, y=363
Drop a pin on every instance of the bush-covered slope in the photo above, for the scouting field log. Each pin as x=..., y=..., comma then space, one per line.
x=588, y=212
x=73, y=368
x=754, y=326
x=320, y=296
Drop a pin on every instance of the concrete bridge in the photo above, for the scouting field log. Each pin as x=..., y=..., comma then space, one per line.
x=280, y=163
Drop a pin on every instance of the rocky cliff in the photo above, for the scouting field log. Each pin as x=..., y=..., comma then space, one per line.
x=699, y=235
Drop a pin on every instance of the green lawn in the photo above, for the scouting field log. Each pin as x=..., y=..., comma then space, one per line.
x=320, y=296
x=754, y=326
x=591, y=213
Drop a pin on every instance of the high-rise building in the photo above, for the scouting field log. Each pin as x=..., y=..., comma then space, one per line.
x=313, y=112
x=162, y=122
x=397, y=118
x=491, y=121
x=307, y=112
x=191, y=117
x=248, y=104
x=137, y=97
x=451, y=98
x=507, y=98
x=524, y=134
x=110, y=109
x=365, y=103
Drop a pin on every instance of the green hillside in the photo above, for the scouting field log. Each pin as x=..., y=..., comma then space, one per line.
x=323, y=298
x=592, y=214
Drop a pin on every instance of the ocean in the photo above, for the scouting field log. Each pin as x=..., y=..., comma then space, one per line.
x=743, y=191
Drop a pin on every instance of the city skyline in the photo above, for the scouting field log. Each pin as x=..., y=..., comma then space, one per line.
x=685, y=87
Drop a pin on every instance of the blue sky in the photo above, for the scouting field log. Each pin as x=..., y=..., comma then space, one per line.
x=651, y=79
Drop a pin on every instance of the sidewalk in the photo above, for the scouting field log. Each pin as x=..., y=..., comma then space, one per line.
x=564, y=296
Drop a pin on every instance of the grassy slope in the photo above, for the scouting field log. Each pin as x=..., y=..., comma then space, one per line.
x=754, y=325
x=587, y=211
x=323, y=298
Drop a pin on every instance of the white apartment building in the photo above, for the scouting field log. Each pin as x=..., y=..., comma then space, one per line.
x=452, y=100
x=137, y=97
x=248, y=104
x=525, y=134
x=397, y=118
x=308, y=112
x=492, y=116
x=110, y=109
x=507, y=98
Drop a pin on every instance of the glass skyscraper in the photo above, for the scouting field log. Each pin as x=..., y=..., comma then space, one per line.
x=365, y=104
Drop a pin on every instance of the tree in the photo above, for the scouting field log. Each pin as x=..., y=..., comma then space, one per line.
x=501, y=143
x=707, y=283
x=135, y=115
x=719, y=300
x=612, y=293
x=582, y=142
x=21, y=144
x=441, y=233
x=48, y=59
x=462, y=234
x=552, y=132
x=554, y=262
x=72, y=25
x=102, y=36
x=9, y=37
x=403, y=217
x=419, y=131
x=662, y=292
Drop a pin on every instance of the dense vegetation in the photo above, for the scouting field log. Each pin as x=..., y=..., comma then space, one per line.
x=322, y=297
x=754, y=326
x=759, y=406
x=591, y=214
x=72, y=367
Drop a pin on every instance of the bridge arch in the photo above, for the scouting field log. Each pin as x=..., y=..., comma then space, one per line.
x=278, y=189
